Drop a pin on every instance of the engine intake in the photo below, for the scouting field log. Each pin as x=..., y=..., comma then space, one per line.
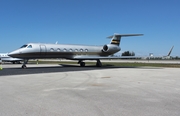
x=110, y=48
x=105, y=48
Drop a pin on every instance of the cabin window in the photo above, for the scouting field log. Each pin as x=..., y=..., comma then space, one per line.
x=65, y=50
x=86, y=50
x=30, y=46
x=58, y=49
x=70, y=50
x=81, y=50
x=76, y=50
x=51, y=49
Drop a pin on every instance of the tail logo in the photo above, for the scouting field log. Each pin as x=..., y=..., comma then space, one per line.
x=115, y=42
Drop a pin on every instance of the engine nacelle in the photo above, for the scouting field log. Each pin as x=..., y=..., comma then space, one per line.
x=110, y=48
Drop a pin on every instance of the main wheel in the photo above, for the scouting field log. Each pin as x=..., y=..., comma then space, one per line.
x=82, y=64
x=99, y=64
x=24, y=66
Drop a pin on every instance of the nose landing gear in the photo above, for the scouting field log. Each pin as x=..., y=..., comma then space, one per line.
x=24, y=64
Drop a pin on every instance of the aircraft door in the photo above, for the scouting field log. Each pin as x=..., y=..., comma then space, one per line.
x=42, y=50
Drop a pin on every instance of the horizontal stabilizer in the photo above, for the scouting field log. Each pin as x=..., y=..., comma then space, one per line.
x=124, y=35
x=116, y=38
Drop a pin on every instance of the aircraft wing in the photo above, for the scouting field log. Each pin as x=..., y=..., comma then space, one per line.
x=102, y=57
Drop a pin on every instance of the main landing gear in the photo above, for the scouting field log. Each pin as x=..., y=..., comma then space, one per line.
x=82, y=64
x=24, y=64
x=98, y=63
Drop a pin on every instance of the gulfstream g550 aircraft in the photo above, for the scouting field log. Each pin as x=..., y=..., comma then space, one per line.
x=72, y=52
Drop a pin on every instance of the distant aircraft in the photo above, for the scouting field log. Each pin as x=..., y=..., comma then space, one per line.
x=162, y=57
x=5, y=58
x=72, y=52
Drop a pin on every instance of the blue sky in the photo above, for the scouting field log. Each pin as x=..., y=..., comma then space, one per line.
x=90, y=22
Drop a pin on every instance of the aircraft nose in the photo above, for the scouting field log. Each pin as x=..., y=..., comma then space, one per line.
x=14, y=53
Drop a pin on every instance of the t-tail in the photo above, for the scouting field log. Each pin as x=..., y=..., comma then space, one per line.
x=116, y=38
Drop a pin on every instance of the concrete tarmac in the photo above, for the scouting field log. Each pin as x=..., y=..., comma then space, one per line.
x=90, y=91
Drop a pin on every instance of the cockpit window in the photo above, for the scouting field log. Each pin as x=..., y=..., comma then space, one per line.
x=23, y=46
x=30, y=46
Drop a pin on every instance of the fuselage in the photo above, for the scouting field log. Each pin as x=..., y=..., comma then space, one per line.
x=41, y=50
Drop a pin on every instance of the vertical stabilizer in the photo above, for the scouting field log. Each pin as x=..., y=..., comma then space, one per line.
x=116, y=38
x=170, y=51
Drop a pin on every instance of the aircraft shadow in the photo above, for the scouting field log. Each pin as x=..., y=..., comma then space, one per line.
x=60, y=68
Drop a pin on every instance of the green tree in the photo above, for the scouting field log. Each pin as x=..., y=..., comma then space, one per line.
x=128, y=53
